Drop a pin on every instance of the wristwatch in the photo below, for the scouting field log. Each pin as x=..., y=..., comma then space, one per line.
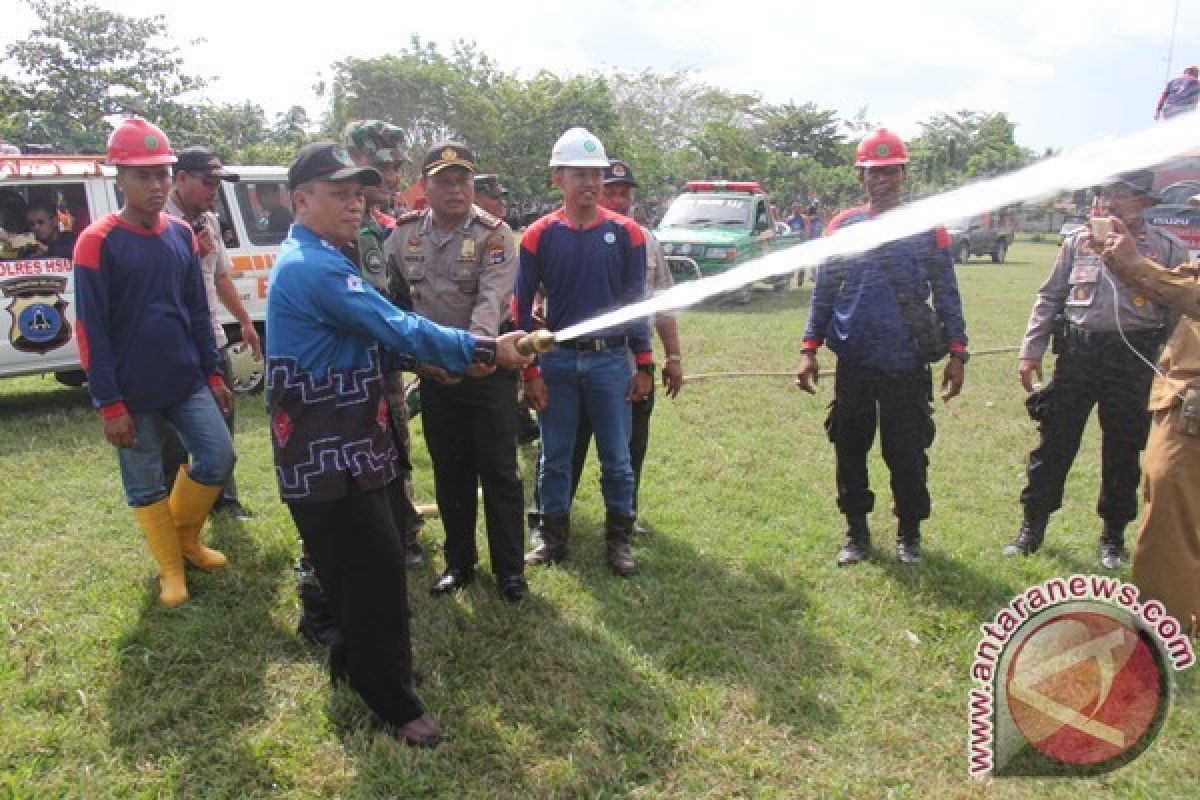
x=961, y=355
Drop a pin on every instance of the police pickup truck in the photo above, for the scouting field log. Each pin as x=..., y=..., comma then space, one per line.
x=37, y=288
x=714, y=226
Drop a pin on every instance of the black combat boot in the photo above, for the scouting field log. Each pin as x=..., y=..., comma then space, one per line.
x=908, y=542
x=616, y=541
x=552, y=548
x=1112, y=545
x=858, y=541
x=1029, y=537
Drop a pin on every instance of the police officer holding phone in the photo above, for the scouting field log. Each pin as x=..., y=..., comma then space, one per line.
x=1109, y=336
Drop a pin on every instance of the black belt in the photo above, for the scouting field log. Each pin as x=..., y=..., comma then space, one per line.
x=596, y=344
x=1082, y=335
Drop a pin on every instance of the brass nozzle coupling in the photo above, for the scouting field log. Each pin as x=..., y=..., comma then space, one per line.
x=536, y=342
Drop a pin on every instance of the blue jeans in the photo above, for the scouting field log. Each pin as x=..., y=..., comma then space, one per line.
x=202, y=429
x=596, y=384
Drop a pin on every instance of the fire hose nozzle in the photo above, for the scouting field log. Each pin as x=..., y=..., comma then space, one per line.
x=536, y=342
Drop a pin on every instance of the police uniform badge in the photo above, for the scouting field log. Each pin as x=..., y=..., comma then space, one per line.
x=495, y=249
x=468, y=250
x=38, y=310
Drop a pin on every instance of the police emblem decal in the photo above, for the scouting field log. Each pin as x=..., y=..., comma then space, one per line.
x=38, y=310
x=618, y=171
x=449, y=154
x=882, y=150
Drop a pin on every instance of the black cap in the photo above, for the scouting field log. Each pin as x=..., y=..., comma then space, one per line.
x=490, y=185
x=1138, y=180
x=447, y=154
x=200, y=159
x=618, y=172
x=328, y=161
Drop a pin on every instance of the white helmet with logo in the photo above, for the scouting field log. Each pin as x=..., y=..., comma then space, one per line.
x=578, y=147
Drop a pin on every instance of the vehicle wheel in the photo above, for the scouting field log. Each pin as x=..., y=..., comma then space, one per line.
x=780, y=283
x=999, y=251
x=964, y=253
x=72, y=377
x=740, y=297
x=801, y=274
x=247, y=376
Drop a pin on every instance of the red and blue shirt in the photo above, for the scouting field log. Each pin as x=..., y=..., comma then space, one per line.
x=854, y=307
x=143, y=322
x=584, y=272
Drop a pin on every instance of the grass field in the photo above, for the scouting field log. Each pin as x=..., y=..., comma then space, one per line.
x=740, y=663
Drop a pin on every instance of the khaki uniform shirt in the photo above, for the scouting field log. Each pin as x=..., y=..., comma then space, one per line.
x=1178, y=290
x=1079, y=287
x=658, y=273
x=462, y=278
x=212, y=265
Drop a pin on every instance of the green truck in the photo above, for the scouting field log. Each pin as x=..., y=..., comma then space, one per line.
x=714, y=226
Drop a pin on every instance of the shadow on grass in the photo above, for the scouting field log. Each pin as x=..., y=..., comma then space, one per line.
x=947, y=582
x=192, y=679
x=35, y=400
x=605, y=694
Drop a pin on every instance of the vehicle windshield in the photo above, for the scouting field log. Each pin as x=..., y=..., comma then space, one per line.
x=700, y=210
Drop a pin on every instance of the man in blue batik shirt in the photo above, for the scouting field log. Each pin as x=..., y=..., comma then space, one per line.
x=335, y=459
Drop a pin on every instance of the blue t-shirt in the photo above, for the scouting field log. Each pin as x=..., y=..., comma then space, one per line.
x=584, y=272
x=145, y=333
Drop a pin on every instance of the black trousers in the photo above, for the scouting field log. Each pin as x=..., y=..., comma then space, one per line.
x=175, y=455
x=356, y=548
x=639, y=442
x=471, y=433
x=1097, y=370
x=898, y=403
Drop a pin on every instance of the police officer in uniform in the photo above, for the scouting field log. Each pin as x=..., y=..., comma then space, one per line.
x=490, y=194
x=459, y=263
x=1096, y=366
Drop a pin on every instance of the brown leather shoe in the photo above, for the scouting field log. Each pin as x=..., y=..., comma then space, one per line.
x=553, y=546
x=424, y=731
x=616, y=542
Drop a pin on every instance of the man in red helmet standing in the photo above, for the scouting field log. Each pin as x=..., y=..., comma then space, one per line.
x=872, y=310
x=146, y=341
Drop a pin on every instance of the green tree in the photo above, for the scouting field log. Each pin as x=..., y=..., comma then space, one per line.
x=85, y=64
x=954, y=148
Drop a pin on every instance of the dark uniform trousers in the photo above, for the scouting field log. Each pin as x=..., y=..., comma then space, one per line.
x=899, y=404
x=471, y=432
x=356, y=548
x=639, y=441
x=1093, y=369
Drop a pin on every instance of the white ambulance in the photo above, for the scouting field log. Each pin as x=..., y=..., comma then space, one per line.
x=37, y=289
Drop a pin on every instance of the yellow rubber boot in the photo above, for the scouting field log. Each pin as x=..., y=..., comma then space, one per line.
x=158, y=526
x=190, y=504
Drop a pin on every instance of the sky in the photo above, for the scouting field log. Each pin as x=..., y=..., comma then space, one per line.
x=1065, y=73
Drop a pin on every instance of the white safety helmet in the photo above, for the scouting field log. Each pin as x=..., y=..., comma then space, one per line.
x=578, y=147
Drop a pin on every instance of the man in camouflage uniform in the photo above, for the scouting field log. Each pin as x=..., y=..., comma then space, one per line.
x=1109, y=334
x=459, y=263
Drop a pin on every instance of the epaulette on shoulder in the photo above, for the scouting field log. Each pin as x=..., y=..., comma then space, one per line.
x=487, y=219
x=409, y=216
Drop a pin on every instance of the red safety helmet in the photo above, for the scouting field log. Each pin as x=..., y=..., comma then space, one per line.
x=881, y=149
x=137, y=143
